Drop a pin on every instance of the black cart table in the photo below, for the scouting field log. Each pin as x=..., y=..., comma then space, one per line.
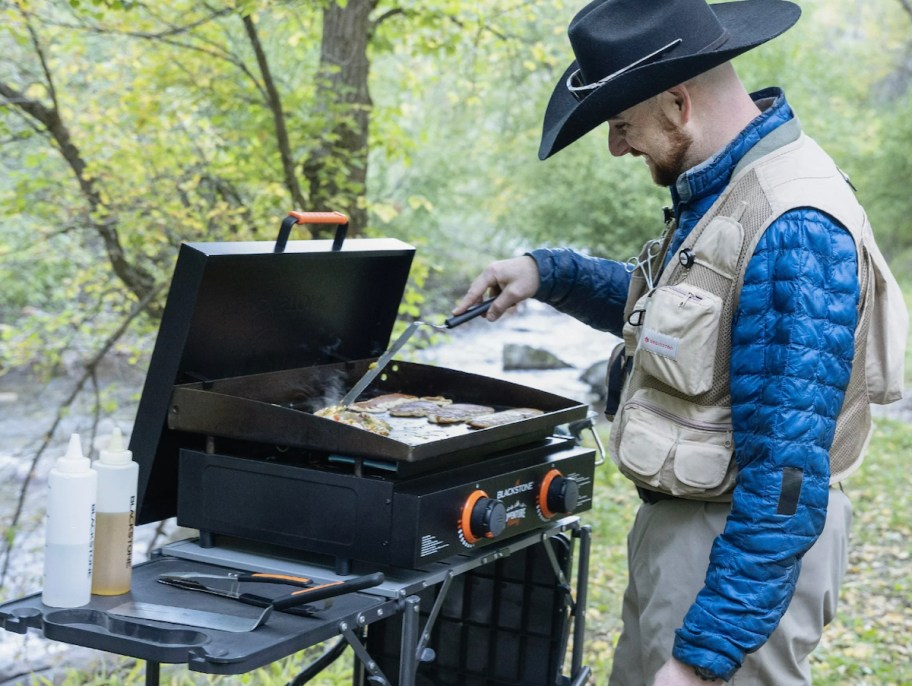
x=398, y=600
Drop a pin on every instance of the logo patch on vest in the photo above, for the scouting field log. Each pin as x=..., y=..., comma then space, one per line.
x=660, y=344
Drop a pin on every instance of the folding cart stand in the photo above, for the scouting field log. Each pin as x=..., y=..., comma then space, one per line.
x=502, y=616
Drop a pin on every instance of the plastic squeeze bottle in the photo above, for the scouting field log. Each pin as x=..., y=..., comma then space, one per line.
x=114, y=518
x=70, y=529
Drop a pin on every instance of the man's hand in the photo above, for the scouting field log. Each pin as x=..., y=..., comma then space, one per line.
x=512, y=281
x=674, y=673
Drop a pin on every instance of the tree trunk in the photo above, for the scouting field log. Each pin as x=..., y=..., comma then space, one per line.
x=336, y=168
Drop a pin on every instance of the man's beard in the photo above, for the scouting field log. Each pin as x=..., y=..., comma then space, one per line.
x=666, y=171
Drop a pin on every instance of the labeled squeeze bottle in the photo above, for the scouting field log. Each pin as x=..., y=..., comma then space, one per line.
x=115, y=517
x=70, y=529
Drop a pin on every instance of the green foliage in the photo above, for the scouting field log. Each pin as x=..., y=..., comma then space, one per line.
x=168, y=111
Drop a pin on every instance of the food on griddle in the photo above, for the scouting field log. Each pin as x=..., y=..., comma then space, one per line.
x=361, y=420
x=419, y=408
x=382, y=403
x=439, y=399
x=458, y=412
x=503, y=417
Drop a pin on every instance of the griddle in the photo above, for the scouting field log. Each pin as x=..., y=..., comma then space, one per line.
x=253, y=341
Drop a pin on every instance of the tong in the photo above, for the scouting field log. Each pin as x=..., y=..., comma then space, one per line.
x=229, y=586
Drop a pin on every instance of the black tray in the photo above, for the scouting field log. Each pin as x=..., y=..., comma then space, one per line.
x=203, y=650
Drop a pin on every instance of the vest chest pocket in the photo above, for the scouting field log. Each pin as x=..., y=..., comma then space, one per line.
x=674, y=453
x=677, y=343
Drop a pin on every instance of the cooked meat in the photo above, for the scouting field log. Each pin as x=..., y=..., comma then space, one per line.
x=362, y=420
x=419, y=408
x=458, y=412
x=438, y=399
x=382, y=403
x=504, y=417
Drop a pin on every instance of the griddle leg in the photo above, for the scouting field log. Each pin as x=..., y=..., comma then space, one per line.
x=206, y=539
x=408, y=661
x=343, y=566
x=376, y=675
x=582, y=598
x=152, y=673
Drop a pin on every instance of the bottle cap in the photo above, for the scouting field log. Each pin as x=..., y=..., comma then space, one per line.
x=115, y=452
x=74, y=461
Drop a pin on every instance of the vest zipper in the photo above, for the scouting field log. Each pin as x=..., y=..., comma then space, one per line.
x=717, y=427
x=688, y=295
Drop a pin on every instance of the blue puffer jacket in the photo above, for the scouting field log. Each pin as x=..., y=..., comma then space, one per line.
x=793, y=337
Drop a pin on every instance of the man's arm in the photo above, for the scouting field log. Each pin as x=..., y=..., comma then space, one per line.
x=792, y=349
x=594, y=290
x=591, y=289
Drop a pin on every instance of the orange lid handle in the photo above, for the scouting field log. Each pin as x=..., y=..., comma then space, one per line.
x=319, y=217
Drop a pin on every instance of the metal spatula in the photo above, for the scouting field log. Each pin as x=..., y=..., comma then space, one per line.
x=188, y=617
x=385, y=358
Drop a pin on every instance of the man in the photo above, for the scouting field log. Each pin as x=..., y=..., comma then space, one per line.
x=743, y=391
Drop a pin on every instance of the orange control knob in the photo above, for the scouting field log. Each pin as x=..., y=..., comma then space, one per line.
x=482, y=517
x=557, y=494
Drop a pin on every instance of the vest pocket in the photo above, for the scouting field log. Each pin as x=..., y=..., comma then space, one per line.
x=683, y=450
x=701, y=466
x=677, y=343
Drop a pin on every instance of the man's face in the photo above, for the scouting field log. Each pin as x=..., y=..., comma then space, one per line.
x=645, y=131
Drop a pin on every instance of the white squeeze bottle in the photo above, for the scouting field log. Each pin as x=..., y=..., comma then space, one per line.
x=70, y=529
x=115, y=517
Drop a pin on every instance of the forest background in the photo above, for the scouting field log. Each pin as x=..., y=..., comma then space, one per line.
x=127, y=127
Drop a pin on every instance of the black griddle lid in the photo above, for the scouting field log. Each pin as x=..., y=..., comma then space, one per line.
x=240, y=308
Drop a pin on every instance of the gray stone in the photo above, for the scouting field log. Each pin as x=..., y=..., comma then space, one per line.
x=517, y=356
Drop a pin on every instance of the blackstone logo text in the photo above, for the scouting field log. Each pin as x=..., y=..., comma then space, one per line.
x=515, y=490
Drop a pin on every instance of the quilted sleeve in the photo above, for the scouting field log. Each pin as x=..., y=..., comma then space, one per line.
x=591, y=289
x=793, y=342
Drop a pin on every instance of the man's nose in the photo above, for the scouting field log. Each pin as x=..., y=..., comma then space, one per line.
x=617, y=144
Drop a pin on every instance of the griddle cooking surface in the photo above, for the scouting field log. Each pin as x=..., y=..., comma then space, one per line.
x=277, y=409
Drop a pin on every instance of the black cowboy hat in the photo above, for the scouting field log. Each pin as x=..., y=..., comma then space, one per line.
x=630, y=50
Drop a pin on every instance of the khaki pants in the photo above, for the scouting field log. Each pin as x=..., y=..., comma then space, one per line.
x=668, y=553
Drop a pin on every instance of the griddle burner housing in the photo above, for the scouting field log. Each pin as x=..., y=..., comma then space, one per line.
x=252, y=342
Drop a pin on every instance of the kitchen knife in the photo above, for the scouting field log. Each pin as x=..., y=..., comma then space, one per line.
x=229, y=585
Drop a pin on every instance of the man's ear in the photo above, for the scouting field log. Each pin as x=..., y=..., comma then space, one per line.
x=677, y=104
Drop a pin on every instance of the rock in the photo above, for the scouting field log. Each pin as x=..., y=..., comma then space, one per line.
x=594, y=377
x=528, y=357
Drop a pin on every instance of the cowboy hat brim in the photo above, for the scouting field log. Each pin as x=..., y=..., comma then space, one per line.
x=749, y=23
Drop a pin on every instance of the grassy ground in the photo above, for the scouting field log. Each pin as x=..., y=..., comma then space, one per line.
x=870, y=644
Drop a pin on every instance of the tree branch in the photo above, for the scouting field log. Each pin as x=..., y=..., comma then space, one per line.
x=907, y=6
x=41, y=56
x=167, y=37
x=88, y=374
x=138, y=280
x=389, y=14
x=274, y=101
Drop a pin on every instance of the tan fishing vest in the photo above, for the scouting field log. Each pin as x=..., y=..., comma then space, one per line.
x=673, y=430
